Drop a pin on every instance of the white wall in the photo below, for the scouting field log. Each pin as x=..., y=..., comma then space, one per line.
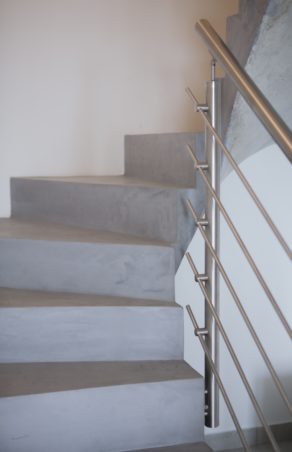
x=77, y=75
x=269, y=172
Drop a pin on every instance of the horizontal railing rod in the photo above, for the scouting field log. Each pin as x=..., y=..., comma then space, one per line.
x=232, y=353
x=268, y=116
x=251, y=263
x=243, y=179
x=233, y=293
x=219, y=382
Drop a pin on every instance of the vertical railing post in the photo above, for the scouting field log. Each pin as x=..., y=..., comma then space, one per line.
x=212, y=230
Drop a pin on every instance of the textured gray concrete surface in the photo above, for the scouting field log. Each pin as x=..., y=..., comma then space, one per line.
x=137, y=270
x=270, y=66
x=149, y=212
x=105, y=419
x=241, y=33
x=87, y=273
x=162, y=157
x=90, y=333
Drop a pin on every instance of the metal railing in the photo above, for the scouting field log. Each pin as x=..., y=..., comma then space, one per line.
x=209, y=226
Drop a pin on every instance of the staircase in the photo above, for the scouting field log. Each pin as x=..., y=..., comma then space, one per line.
x=91, y=340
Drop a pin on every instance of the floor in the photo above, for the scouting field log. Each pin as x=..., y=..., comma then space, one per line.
x=285, y=446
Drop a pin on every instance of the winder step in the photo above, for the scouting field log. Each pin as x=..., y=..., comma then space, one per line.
x=112, y=203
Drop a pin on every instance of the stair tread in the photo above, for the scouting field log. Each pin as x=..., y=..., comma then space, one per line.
x=121, y=181
x=22, y=298
x=34, y=378
x=194, y=447
x=20, y=229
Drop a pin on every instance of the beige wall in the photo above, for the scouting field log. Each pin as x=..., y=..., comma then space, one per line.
x=76, y=75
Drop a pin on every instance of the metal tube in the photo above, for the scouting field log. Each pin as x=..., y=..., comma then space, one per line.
x=251, y=263
x=245, y=182
x=248, y=89
x=212, y=216
x=233, y=293
x=234, y=357
x=219, y=381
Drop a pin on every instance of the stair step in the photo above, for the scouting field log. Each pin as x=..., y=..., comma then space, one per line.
x=34, y=230
x=195, y=447
x=42, y=326
x=21, y=298
x=36, y=378
x=105, y=407
x=112, y=203
x=163, y=157
x=59, y=258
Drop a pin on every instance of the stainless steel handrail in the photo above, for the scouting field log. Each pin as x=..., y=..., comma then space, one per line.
x=218, y=380
x=233, y=355
x=243, y=248
x=248, y=89
x=243, y=179
x=241, y=309
x=209, y=227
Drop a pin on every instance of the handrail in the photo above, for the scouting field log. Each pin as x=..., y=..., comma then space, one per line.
x=209, y=227
x=242, y=177
x=268, y=116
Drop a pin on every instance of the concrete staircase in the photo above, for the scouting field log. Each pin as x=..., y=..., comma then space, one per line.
x=91, y=340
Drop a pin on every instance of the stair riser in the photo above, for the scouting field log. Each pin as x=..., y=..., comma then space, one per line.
x=111, y=419
x=135, y=271
x=145, y=212
x=163, y=157
x=158, y=214
x=90, y=334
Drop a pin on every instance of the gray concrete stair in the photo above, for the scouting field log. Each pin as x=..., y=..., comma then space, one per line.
x=64, y=259
x=105, y=407
x=110, y=203
x=91, y=340
x=42, y=326
x=163, y=157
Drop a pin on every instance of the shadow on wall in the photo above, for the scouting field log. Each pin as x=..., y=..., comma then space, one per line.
x=269, y=173
x=269, y=399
